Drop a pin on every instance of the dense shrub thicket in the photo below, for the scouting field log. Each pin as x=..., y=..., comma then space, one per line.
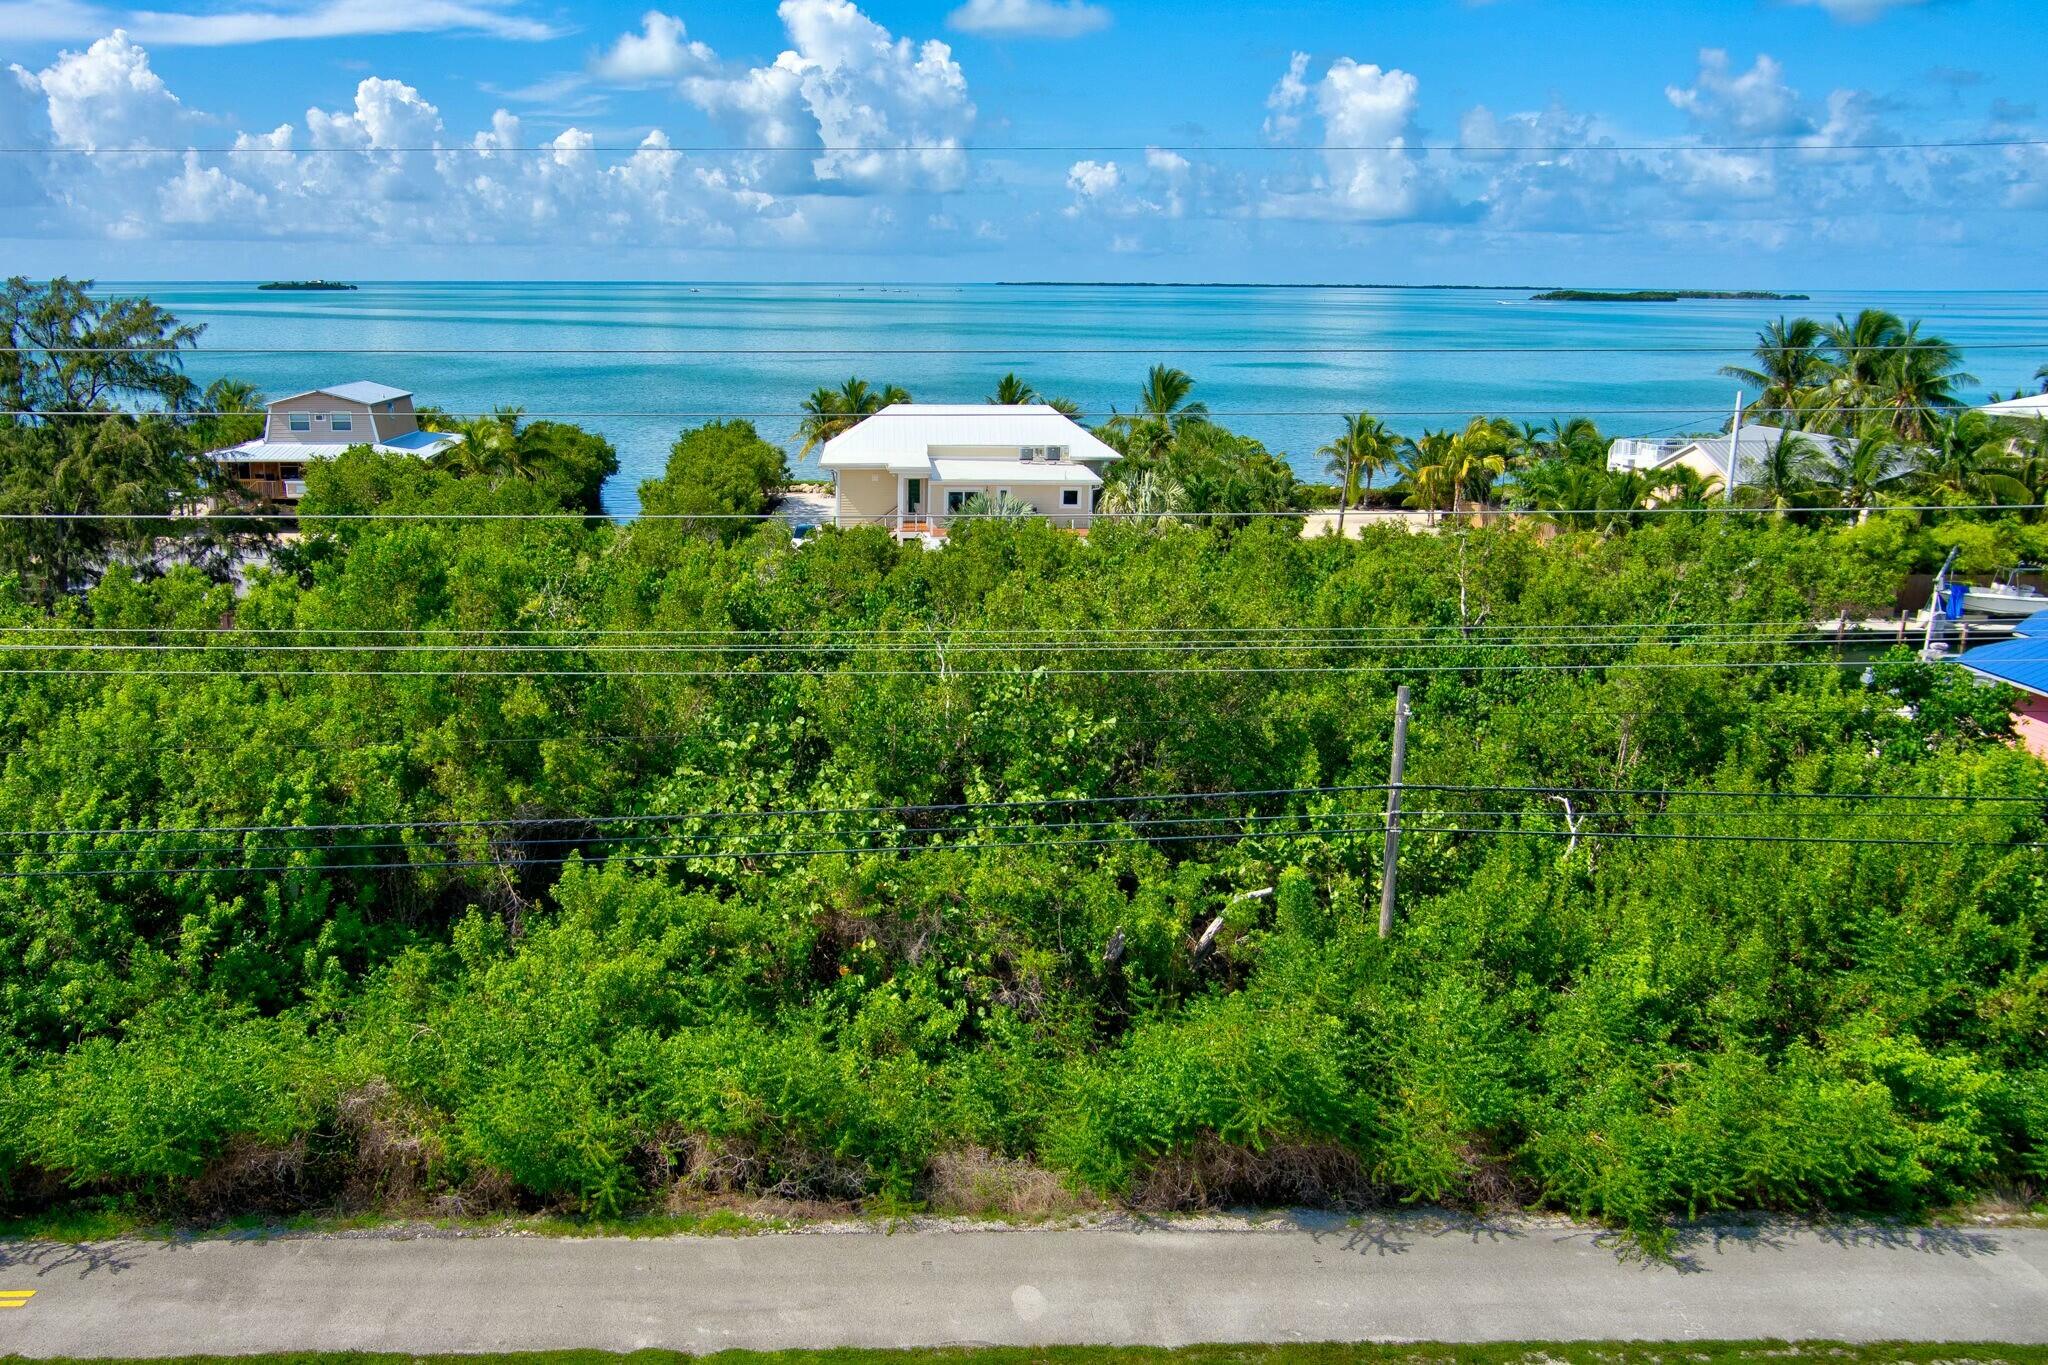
x=478, y=986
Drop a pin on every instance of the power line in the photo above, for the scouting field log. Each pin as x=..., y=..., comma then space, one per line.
x=1157, y=646
x=1741, y=346
x=764, y=855
x=900, y=809
x=963, y=632
x=1718, y=411
x=1026, y=673
x=1363, y=515
x=677, y=816
x=936, y=832
x=911, y=148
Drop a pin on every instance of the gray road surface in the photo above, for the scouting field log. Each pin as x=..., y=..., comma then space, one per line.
x=1390, y=1279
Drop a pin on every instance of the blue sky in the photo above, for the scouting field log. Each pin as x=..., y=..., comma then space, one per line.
x=342, y=137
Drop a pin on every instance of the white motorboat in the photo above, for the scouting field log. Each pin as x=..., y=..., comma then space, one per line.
x=2006, y=597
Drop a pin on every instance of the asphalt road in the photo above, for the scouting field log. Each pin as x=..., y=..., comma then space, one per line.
x=1393, y=1279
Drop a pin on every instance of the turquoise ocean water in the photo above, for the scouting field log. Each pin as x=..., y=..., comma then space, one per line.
x=1278, y=364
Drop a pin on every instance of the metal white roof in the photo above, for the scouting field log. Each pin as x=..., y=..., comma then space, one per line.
x=362, y=391
x=260, y=451
x=1019, y=472
x=1756, y=445
x=2026, y=405
x=903, y=435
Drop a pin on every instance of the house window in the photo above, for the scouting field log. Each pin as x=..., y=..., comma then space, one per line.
x=344, y=422
x=956, y=498
x=302, y=421
x=1070, y=497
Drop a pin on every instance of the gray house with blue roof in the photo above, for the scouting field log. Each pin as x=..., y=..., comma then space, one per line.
x=321, y=423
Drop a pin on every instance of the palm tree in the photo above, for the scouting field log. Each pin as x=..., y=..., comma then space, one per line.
x=1474, y=458
x=1859, y=349
x=1424, y=464
x=1148, y=494
x=232, y=397
x=1681, y=486
x=1364, y=450
x=2041, y=377
x=1856, y=471
x=233, y=410
x=1780, y=480
x=2030, y=458
x=1165, y=398
x=1788, y=366
x=1001, y=507
x=490, y=447
x=1916, y=382
x=1577, y=438
x=1966, y=462
x=1012, y=391
x=1578, y=496
x=827, y=412
x=1164, y=412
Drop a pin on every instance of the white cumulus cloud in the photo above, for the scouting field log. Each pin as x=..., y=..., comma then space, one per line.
x=853, y=94
x=107, y=96
x=1752, y=103
x=1093, y=179
x=1286, y=100
x=660, y=51
x=1367, y=170
x=1029, y=18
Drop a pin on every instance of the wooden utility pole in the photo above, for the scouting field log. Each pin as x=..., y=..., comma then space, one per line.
x=1392, y=858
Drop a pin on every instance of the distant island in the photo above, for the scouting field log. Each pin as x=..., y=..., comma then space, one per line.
x=1652, y=295
x=1241, y=284
x=305, y=284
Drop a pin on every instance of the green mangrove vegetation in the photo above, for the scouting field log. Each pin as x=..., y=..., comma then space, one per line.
x=432, y=862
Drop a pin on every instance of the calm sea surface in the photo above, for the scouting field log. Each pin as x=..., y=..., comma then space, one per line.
x=1278, y=364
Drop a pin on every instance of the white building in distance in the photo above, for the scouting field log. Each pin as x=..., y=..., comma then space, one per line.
x=915, y=467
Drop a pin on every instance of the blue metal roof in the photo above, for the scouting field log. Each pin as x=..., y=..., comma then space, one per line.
x=2035, y=625
x=433, y=442
x=2021, y=661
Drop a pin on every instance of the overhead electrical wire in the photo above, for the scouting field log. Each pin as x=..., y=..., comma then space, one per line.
x=902, y=809
x=748, y=855
x=943, y=647
x=1212, y=415
x=1364, y=516
x=900, y=829
x=951, y=632
x=1021, y=672
x=1168, y=348
x=926, y=148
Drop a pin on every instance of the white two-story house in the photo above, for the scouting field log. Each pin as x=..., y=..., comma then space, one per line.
x=914, y=466
x=323, y=422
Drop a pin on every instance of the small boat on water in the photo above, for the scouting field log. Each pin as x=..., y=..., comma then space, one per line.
x=2006, y=597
